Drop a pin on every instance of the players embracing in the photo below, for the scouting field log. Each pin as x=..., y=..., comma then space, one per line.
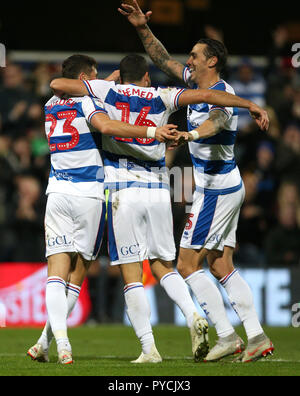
x=75, y=212
x=135, y=175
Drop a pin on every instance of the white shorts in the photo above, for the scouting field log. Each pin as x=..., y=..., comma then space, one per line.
x=213, y=221
x=140, y=226
x=74, y=224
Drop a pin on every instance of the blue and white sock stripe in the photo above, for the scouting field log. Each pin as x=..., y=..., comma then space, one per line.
x=194, y=274
x=57, y=280
x=73, y=288
x=132, y=286
x=168, y=275
x=224, y=281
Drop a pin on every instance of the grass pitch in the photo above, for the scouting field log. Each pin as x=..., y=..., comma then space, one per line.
x=107, y=351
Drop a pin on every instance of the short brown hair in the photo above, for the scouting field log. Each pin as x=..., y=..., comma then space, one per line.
x=76, y=64
x=133, y=68
x=215, y=48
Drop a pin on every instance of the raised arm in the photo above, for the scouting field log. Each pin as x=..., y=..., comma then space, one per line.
x=105, y=125
x=224, y=99
x=155, y=49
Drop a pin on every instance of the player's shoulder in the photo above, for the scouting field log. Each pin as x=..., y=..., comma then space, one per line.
x=223, y=85
x=105, y=83
x=229, y=88
x=51, y=101
x=88, y=102
x=98, y=88
x=165, y=89
x=168, y=91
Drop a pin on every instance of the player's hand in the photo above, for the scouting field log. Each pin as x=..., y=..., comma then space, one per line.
x=114, y=76
x=180, y=139
x=166, y=133
x=134, y=14
x=260, y=116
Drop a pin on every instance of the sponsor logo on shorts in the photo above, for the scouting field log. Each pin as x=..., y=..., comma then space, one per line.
x=58, y=241
x=132, y=250
x=216, y=238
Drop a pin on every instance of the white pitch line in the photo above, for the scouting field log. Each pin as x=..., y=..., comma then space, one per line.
x=164, y=358
x=190, y=358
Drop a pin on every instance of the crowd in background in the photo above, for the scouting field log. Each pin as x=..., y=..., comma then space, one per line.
x=269, y=226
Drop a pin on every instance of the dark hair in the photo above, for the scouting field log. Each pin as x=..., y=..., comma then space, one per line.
x=215, y=48
x=133, y=68
x=76, y=64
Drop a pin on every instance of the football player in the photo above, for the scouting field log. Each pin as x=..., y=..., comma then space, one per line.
x=211, y=230
x=75, y=212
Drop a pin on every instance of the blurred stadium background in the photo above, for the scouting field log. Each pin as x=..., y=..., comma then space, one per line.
x=261, y=68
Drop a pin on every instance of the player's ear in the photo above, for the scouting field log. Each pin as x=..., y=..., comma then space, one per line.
x=212, y=62
x=82, y=76
x=147, y=79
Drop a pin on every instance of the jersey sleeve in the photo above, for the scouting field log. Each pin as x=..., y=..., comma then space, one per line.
x=98, y=88
x=91, y=106
x=51, y=101
x=170, y=97
x=227, y=110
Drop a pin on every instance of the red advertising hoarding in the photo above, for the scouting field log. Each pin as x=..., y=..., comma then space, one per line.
x=22, y=296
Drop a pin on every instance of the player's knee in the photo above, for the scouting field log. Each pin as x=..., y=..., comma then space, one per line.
x=183, y=267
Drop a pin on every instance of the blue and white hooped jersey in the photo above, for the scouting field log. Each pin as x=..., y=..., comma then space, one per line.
x=135, y=162
x=215, y=168
x=76, y=163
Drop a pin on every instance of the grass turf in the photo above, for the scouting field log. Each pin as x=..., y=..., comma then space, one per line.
x=107, y=350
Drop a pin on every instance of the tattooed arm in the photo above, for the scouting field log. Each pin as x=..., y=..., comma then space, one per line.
x=155, y=49
x=215, y=124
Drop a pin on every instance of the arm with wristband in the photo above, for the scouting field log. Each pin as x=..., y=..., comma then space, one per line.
x=121, y=129
x=215, y=123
